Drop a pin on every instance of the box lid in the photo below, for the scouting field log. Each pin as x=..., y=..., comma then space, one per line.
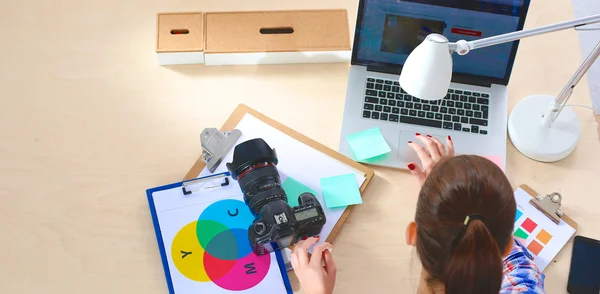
x=180, y=32
x=277, y=31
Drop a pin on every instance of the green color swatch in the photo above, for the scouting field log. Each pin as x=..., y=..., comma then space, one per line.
x=340, y=191
x=521, y=234
x=293, y=189
x=368, y=144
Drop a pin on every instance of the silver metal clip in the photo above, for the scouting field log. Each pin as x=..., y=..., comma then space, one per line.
x=210, y=182
x=216, y=145
x=549, y=205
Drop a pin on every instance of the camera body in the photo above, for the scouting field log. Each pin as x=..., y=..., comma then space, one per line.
x=277, y=225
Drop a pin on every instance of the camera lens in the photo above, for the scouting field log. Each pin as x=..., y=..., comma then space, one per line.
x=254, y=167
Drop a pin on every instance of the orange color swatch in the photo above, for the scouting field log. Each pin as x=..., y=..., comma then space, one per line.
x=535, y=247
x=544, y=237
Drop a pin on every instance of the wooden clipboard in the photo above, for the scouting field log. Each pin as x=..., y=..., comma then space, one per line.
x=564, y=217
x=242, y=110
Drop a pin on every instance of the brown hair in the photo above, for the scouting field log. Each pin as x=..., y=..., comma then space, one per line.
x=465, y=259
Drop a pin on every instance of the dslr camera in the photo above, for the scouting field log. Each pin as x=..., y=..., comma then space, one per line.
x=277, y=225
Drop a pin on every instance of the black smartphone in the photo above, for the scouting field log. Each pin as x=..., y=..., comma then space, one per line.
x=584, y=275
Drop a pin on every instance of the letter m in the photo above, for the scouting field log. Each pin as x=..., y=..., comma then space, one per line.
x=250, y=268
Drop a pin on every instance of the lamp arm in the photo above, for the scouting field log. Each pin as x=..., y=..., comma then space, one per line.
x=562, y=98
x=459, y=46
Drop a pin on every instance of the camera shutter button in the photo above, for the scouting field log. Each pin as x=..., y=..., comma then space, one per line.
x=260, y=228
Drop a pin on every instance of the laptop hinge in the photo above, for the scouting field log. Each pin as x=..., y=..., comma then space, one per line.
x=456, y=78
x=474, y=81
x=395, y=70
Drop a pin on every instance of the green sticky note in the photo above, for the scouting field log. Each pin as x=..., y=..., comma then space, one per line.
x=293, y=189
x=368, y=144
x=340, y=191
x=521, y=234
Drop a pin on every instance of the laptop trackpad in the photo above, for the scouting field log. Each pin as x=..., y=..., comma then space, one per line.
x=407, y=154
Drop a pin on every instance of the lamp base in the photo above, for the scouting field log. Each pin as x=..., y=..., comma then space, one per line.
x=532, y=139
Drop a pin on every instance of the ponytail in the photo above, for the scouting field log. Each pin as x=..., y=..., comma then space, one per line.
x=476, y=263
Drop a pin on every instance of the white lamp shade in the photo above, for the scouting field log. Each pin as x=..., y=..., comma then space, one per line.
x=428, y=70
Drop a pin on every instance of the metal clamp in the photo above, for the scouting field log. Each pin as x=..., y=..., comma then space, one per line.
x=549, y=205
x=210, y=182
x=216, y=145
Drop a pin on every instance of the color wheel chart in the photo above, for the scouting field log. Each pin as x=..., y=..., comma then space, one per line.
x=543, y=238
x=206, y=244
x=216, y=249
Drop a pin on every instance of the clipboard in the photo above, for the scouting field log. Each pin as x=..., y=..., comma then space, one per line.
x=235, y=118
x=187, y=188
x=564, y=217
x=537, y=228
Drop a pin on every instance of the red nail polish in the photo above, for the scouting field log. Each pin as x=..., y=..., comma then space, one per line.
x=409, y=142
x=417, y=134
x=449, y=138
x=318, y=237
x=411, y=166
x=305, y=237
x=428, y=136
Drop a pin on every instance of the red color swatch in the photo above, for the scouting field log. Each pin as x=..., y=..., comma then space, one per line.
x=535, y=247
x=529, y=225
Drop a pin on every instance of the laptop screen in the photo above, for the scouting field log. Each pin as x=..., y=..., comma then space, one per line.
x=388, y=31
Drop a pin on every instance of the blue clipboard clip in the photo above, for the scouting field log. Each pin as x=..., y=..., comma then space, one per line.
x=205, y=183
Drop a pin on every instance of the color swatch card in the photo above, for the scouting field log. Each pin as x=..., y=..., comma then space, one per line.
x=543, y=238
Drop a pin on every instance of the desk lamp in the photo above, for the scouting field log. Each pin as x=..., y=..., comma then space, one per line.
x=534, y=125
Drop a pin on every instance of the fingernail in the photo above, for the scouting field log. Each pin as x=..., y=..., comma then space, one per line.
x=417, y=134
x=449, y=138
x=428, y=136
x=411, y=166
x=409, y=142
x=305, y=237
x=318, y=237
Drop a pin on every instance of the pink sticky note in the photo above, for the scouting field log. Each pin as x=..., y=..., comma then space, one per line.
x=497, y=159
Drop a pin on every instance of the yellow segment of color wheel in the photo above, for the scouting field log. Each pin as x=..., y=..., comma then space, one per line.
x=187, y=254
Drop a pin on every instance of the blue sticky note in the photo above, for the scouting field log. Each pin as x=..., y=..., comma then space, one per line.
x=518, y=215
x=293, y=189
x=340, y=191
x=368, y=144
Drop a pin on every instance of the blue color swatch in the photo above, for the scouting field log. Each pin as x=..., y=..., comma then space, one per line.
x=518, y=215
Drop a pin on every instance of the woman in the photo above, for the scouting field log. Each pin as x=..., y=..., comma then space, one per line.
x=462, y=230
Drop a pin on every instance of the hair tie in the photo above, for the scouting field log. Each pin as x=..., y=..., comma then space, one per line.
x=471, y=217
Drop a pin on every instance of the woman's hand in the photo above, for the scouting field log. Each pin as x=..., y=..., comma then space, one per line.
x=429, y=156
x=316, y=273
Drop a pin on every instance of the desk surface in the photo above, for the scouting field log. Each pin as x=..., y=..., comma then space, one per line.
x=89, y=121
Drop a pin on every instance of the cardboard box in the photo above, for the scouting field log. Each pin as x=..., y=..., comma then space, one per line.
x=271, y=37
x=180, y=38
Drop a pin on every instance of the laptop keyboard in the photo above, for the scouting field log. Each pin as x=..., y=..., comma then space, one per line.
x=460, y=110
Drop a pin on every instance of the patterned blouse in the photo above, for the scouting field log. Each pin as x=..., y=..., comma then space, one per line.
x=521, y=275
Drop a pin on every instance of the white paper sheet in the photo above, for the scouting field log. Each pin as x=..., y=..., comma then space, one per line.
x=296, y=159
x=561, y=233
x=175, y=211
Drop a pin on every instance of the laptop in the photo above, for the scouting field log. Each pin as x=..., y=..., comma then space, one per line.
x=474, y=112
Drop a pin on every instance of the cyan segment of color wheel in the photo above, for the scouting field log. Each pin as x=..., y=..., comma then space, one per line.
x=234, y=214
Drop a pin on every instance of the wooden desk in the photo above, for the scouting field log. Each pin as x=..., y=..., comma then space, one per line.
x=88, y=121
